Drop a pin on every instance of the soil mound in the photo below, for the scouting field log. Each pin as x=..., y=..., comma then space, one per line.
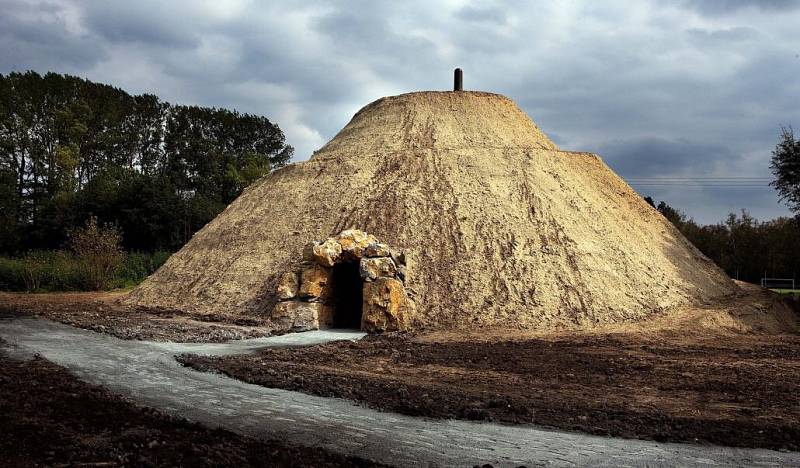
x=499, y=226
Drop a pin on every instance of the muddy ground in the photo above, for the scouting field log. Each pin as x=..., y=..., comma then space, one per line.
x=729, y=389
x=50, y=418
x=102, y=312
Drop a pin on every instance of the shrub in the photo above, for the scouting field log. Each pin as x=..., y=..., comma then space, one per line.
x=33, y=268
x=99, y=251
x=137, y=266
x=58, y=270
x=41, y=270
x=11, y=275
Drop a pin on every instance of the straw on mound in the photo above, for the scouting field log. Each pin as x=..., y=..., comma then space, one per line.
x=499, y=225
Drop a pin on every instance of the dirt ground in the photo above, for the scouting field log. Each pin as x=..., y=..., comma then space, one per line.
x=102, y=312
x=725, y=373
x=752, y=310
x=50, y=418
x=725, y=389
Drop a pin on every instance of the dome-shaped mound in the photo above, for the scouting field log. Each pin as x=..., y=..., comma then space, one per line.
x=498, y=225
x=438, y=120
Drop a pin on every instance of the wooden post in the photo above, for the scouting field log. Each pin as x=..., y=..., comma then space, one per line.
x=458, y=80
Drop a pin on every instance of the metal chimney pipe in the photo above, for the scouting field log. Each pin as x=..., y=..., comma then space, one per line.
x=458, y=80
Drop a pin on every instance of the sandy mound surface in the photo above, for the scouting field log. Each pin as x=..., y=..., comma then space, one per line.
x=500, y=227
x=752, y=311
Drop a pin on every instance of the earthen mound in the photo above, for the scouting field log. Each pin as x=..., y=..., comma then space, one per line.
x=498, y=225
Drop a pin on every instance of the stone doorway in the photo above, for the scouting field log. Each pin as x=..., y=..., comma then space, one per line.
x=347, y=295
x=347, y=281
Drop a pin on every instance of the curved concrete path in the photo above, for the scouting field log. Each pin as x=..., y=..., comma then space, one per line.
x=148, y=373
x=248, y=346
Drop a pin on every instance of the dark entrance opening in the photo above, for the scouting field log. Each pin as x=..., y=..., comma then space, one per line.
x=347, y=295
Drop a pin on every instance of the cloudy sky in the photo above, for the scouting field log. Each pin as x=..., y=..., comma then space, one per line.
x=684, y=90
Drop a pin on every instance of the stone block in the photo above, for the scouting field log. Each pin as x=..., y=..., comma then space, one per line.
x=377, y=250
x=399, y=256
x=314, y=282
x=325, y=315
x=288, y=285
x=327, y=253
x=386, y=306
x=283, y=315
x=307, y=316
x=354, y=242
x=379, y=267
x=297, y=315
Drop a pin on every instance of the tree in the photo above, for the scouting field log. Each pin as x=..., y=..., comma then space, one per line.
x=71, y=149
x=743, y=246
x=786, y=169
x=674, y=216
x=9, y=204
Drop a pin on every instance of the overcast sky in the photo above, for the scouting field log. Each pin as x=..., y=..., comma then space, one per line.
x=688, y=88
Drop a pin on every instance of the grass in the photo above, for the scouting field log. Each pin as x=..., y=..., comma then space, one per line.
x=58, y=270
x=787, y=292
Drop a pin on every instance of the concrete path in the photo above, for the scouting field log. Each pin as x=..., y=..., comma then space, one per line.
x=249, y=346
x=147, y=373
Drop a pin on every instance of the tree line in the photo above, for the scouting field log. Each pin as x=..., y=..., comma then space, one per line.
x=77, y=155
x=72, y=150
x=746, y=248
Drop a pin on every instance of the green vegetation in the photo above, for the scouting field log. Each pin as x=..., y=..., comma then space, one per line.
x=785, y=166
x=58, y=270
x=795, y=293
x=744, y=247
x=98, y=186
x=71, y=149
x=94, y=262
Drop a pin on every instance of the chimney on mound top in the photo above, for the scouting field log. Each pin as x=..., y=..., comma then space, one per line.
x=458, y=80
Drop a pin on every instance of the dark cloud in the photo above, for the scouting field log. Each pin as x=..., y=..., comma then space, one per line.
x=681, y=162
x=153, y=23
x=368, y=36
x=35, y=35
x=712, y=204
x=659, y=157
x=649, y=86
x=482, y=14
x=722, y=36
x=722, y=7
